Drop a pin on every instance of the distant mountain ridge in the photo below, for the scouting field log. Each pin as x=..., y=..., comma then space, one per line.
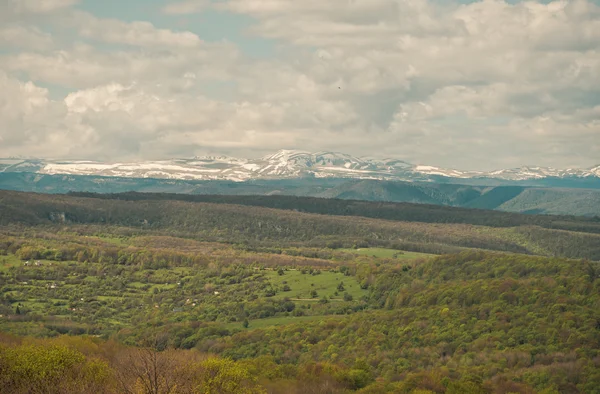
x=285, y=164
x=511, y=198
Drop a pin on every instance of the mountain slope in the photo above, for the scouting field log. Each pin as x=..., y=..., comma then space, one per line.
x=495, y=197
x=555, y=201
x=506, y=198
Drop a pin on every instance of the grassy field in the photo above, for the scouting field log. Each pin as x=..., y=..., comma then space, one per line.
x=388, y=253
x=7, y=262
x=325, y=284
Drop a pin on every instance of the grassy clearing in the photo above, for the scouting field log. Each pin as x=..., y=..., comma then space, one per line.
x=388, y=253
x=325, y=284
x=9, y=261
x=117, y=241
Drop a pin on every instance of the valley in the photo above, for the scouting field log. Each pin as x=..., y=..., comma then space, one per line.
x=333, y=296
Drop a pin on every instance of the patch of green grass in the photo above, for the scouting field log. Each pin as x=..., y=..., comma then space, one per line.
x=9, y=261
x=108, y=298
x=388, y=253
x=118, y=241
x=325, y=284
x=152, y=286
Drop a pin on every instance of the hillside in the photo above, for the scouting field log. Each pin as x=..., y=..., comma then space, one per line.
x=554, y=201
x=410, y=212
x=276, y=220
x=525, y=199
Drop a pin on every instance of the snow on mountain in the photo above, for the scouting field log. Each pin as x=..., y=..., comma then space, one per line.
x=321, y=164
x=282, y=164
x=595, y=171
x=223, y=159
x=430, y=170
x=523, y=173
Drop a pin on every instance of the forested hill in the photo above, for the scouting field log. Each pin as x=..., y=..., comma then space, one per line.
x=562, y=198
x=410, y=212
x=324, y=223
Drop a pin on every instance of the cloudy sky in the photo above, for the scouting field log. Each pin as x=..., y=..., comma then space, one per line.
x=474, y=85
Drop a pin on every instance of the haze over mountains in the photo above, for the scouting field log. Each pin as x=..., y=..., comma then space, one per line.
x=287, y=164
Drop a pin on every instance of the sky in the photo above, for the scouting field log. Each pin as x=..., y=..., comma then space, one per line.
x=477, y=85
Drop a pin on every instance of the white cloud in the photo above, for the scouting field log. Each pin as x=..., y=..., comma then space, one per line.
x=83, y=66
x=138, y=33
x=20, y=37
x=486, y=125
x=29, y=120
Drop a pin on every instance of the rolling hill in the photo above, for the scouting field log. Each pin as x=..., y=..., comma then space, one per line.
x=512, y=198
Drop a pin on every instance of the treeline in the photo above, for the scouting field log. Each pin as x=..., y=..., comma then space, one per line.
x=408, y=212
x=156, y=253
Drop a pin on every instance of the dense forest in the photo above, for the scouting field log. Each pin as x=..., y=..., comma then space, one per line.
x=152, y=294
x=377, y=210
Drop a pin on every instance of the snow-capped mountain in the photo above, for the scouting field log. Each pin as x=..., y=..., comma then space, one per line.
x=543, y=172
x=283, y=164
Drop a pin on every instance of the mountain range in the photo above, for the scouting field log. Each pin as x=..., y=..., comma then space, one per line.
x=287, y=164
x=325, y=175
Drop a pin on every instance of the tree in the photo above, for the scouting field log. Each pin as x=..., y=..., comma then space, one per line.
x=51, y=369
x=222, y=376
x=147, y=371
x=313, y=294
x=246, y=323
